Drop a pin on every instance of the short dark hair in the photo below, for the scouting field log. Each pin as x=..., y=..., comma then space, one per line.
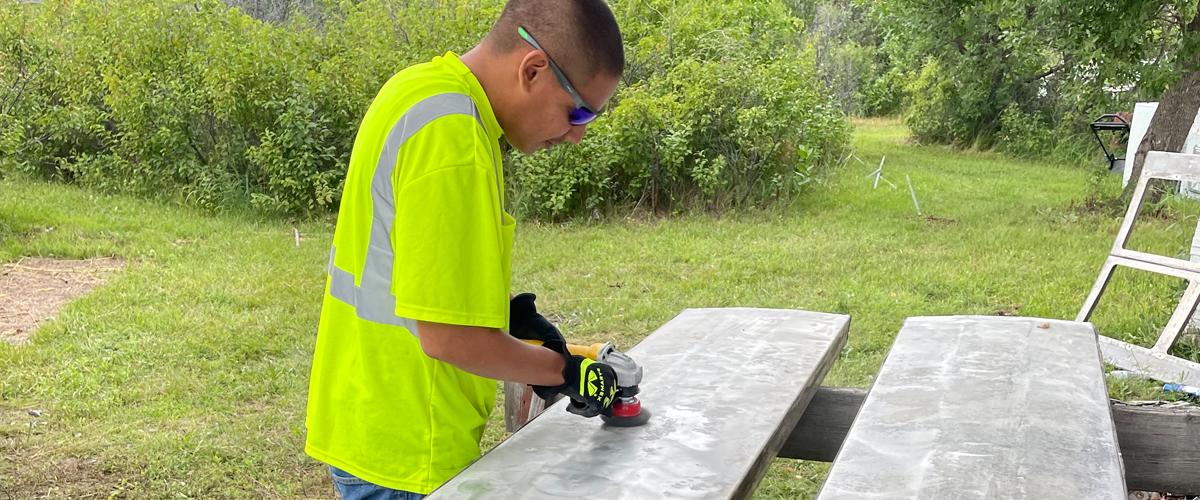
x=582, y=36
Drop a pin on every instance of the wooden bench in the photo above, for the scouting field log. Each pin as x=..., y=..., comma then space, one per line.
x=1160, y=441
x=725, y=387
x=984, y=407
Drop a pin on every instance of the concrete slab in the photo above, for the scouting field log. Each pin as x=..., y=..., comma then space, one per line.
x=724, y=386
x=984, y=407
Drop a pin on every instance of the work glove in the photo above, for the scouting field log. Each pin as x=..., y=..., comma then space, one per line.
x=590, y=385
x=525, y=323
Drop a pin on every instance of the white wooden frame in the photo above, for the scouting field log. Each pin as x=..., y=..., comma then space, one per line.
x=1157, y=361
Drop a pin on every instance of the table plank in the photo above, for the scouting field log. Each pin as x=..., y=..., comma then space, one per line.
x=724, y=387
x=984, y=407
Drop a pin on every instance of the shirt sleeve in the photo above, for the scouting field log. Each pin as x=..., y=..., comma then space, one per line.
x=449, y=249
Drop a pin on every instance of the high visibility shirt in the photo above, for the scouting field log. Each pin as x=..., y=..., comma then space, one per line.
x=421, y=235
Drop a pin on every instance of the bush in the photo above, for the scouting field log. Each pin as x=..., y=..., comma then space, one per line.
x=1064, y=138
x=1027, y=77
x=198, y=103
x=847, y=37
x=50, y=113
x=884, y=95
x=933, y=106
x=1024, y=134
x=705, y=133
x=720, y=109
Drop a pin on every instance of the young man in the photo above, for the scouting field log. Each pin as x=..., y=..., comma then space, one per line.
x=410, y=337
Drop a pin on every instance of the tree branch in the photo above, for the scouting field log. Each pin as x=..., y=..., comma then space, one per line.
x=1046, y=73
x=11, y=104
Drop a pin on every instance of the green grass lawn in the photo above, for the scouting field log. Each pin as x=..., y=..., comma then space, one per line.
x=186, y=375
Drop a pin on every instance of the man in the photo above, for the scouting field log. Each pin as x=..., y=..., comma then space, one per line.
x=410, y=337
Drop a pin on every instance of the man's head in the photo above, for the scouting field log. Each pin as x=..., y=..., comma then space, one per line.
x=547, y=66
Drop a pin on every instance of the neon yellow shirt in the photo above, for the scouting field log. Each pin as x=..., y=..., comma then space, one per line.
x=421, y=235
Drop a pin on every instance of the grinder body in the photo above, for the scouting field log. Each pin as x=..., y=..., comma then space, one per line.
x=627, y=410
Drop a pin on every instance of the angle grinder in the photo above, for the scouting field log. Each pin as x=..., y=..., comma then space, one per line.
x=627, y=410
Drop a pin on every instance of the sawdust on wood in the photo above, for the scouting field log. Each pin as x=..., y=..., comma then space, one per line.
x=34, y=289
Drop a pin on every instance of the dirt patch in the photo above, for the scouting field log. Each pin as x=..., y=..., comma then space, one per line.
x=34, y=289
x=69, y=477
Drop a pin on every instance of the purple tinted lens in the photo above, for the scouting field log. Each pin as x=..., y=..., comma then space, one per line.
x=580, y=116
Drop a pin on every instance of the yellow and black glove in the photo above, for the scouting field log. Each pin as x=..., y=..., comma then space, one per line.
x=590, y=385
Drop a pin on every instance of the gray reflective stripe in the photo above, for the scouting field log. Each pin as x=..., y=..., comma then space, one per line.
x=369, y=304
x=373, y=299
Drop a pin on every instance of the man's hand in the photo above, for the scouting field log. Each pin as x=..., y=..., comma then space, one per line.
x=525, y=323
x=589, y=384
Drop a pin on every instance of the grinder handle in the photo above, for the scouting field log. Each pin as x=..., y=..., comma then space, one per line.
x=592, y=352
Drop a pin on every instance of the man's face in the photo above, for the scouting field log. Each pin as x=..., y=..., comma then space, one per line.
x=543, y=121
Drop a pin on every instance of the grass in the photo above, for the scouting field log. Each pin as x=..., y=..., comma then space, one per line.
x=186, y=375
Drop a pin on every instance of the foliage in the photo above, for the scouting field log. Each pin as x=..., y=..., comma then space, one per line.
x=1029, y=76
x=203, y=104
x=719, y=109
x=703, y=131
x=847, y=36
x=883, y=94
x=931, y=112
x=1026, y=77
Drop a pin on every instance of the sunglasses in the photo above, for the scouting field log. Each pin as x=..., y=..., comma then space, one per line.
x=582, y=114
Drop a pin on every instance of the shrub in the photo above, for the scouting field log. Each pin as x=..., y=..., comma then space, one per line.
x=199, y=103
x=720, y=109
x=943, y=109
x=705, y=133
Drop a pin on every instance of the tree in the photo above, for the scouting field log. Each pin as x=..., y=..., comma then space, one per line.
x=1032, y=73
x=1176, y=110
x=1169, y=128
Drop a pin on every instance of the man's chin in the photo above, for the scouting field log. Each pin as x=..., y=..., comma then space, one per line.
x=528, y=149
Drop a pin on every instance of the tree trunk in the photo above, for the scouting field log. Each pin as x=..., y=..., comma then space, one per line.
x=1176, y=111
x=1169, y=128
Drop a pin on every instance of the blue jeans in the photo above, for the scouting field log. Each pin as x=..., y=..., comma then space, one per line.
x=352, y=488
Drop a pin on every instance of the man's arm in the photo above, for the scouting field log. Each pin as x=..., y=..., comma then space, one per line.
x=491, y=353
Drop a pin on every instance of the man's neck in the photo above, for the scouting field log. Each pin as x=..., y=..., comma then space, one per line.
x=482, y=63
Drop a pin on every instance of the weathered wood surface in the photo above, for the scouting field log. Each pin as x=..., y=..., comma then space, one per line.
x=824, y=425
x=1160, y=445
x=521, y=404
x=724, y=387
x=517, y=402
x=984, y=407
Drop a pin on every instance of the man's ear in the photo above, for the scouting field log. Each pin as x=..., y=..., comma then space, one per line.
x=534, y=69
